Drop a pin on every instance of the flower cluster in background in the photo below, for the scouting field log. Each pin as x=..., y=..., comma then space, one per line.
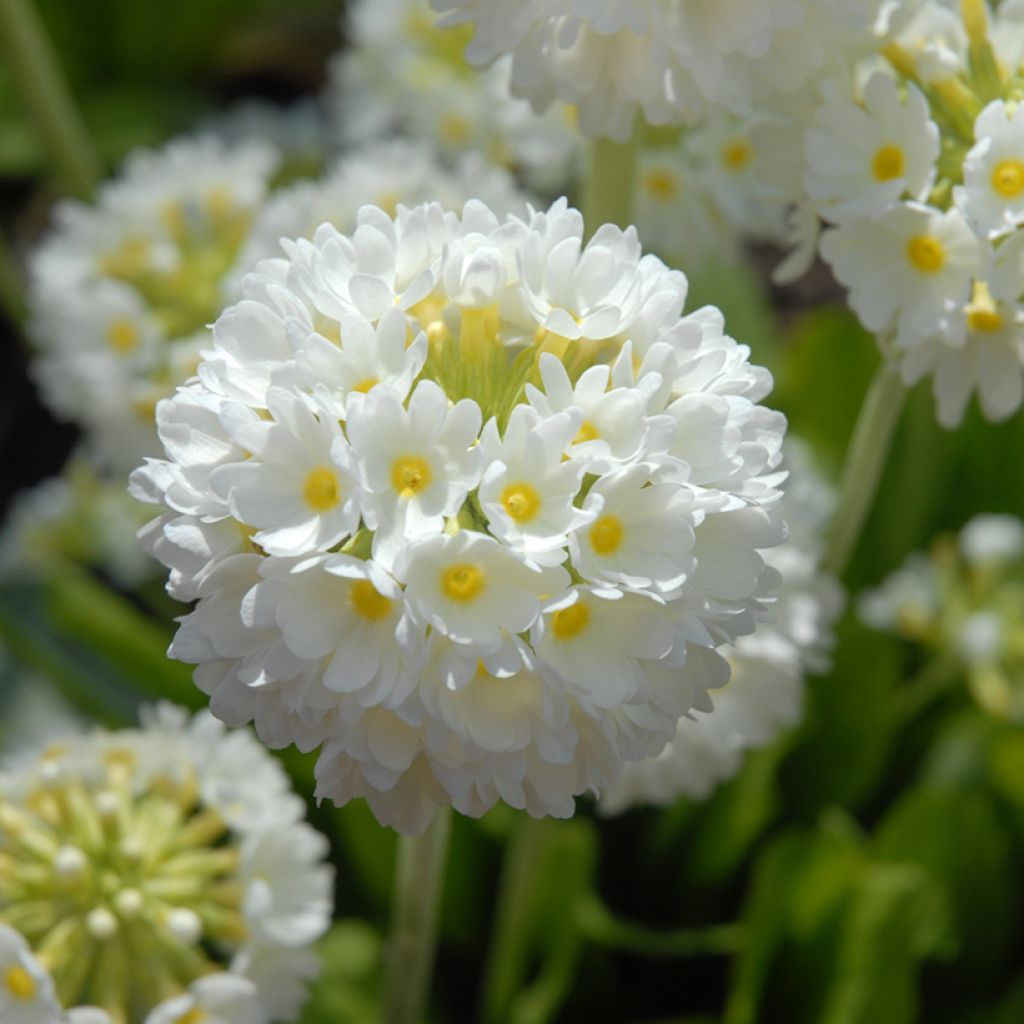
x=158, y=874
x=469, y=503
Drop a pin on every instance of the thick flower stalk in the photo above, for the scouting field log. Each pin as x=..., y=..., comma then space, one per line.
x=155, y=873
x=467, y=503
x=403, y=75
x=963, y=603
x=122, y=290
x=765, y=694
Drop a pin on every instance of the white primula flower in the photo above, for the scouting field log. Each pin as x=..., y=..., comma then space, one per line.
x=992, y=195
x=528, y=487
x=765, y=694
x=217, y=999
x=981, y=351
x=27, y=994
x=300, y=488
x=418, y=463
x=907, y=271
x=206, y=860
x=486, y=391
x=988, y=541
x=861, y=159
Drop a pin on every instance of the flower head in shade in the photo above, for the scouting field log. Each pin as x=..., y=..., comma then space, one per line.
x=121, y=291
x=141, y=865
x=764, y=697
x=963, y=602
x=495, y=562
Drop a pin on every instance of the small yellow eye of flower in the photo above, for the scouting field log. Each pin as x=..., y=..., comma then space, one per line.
x=521, y=502
x=889, y=163
x=1008, y=178
x=983, y=316
x=587, y=432
x=570, y=622
x=321, y=490
x=926, y=253
x=20, y=984
x=737, y=155
x=410, y=474
x=463, y=583
x=388, y=202
x=197, y=1015
x=123, y=336
x=219, y=203
x=366, y=385
x=606, y=535
x=662, y=184
x=368, y=601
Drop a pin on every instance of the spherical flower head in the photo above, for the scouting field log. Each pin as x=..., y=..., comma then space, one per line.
x=498, y=565
x=122, y=290
x=177, y=837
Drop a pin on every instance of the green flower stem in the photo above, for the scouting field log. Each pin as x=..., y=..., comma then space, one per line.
x=418, y=882
x=510, y=942
x=608, y=183
x=598, y=925
x=926, y=687
x=37, y=73
x=12, y=289
x=865, y=461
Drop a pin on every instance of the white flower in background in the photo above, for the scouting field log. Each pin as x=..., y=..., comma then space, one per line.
x=120, y=289
x=907, y=271
x=765, y=694
x=963, y=603
x=177, y=836
x=992, y=196
x=861, y=159
x=671, y=62
x=509, y=612
x=383, y=174
x=401, y=75
x=27, y=994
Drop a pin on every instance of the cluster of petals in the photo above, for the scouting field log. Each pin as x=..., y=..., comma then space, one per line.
x=402, y=75
x=669, y=61
x=764, y=695
x=181, y=836
x=468, y=503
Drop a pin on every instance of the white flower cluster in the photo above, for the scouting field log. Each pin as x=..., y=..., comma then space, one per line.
x=963, y=602
x=122, y=290
x=917, y=166
x=765, y=694
x=163, y=874
x=670, y=61
x=470, y=503
x=402, y=75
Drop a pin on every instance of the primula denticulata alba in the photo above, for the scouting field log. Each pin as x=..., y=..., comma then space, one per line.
x=468, y=504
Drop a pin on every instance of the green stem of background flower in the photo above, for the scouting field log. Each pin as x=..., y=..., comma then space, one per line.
x=608, y=184
x=37, y=73
x=865, y=462
x=418, y=881
x=12, y=297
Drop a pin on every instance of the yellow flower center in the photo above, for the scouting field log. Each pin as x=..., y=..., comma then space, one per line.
x=521, y=502
x=410, y=474
x=737, y=155
x=926, y=253
x=20, y=983
x=587, y=432
x=366, y=385
x=463, y=583
x=194, y=1016
x=219, y=203
x=570, y=622
x=662, y=184
x=123, y=336
x=321, y=490
x=368, y=601
x=388, y=202
x=454, y=129
x=888, y=163
x=983, y=317
x=1008, y=178
x=606, y=535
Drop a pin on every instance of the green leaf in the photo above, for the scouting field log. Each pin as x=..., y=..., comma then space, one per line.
x=347, y=990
